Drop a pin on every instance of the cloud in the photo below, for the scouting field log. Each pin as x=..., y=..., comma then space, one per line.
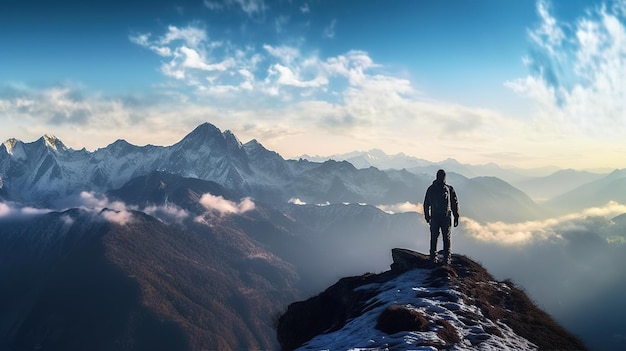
x=93, y=200
x=5, y=210
x=549, y=34
x=254, y=9
x=58, y=105
x=293, y=200
x=224, y=207
x=122, y=217
x=12, y=209
x=525, y=233
x=167, y=213
x=329, y=31
x=576, y=73
x=112, y=211
x=213, y=5
x=402, y=208
x=287, y=77
x=67, y=220
x=191, y=36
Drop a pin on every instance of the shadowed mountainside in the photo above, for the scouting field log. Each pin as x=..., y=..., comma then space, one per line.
x=78, y=281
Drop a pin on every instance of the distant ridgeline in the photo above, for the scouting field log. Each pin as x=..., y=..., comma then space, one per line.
x=416, y=305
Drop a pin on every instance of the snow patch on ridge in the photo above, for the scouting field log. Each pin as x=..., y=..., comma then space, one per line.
x=411, y=291
x=15, y=148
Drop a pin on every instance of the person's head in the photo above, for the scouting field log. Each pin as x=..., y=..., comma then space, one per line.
x=441, y=175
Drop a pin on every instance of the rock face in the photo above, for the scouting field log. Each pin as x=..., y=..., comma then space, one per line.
x=418, y=305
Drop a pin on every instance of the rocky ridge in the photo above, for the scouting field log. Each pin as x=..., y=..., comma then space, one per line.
x=418, y=306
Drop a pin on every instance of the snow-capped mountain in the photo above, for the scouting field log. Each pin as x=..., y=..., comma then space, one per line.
x=45, y=171
x=416, y=306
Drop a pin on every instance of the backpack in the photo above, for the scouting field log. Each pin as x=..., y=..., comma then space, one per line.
x=440, y=199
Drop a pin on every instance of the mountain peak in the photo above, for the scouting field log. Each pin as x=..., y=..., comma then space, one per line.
x=204, y=130
x=202, y=134
x=10, y=145
x=416, y=304
x=54, y=143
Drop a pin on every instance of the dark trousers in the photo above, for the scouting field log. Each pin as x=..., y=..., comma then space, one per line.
x=437, y=224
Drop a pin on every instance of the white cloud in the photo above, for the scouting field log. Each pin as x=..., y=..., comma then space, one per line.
x=576, y=79
x=549, y=34
x=223, y=207
x=287, y=77
x=5, y=210
x=253, y=8
x=27, y=210
x=286, y=54
x=402, y=208
x=167, y=213
x=67, y=220
x=194, y=60
x=293, y=200
x=191, y=36
x=533, y=231
x=122, y=217
x=93, y=200
x=11, y=209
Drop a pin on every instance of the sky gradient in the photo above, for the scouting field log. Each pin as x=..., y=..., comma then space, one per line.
x=520, y=83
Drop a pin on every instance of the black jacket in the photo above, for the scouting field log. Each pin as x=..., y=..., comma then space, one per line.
x=454, y=202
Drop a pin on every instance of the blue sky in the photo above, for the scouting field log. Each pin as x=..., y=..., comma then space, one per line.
x=523, y=83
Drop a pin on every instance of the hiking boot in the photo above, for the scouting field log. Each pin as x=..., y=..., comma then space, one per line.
x=434, y=259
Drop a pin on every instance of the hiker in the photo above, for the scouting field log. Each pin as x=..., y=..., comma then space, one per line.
x=440, y=204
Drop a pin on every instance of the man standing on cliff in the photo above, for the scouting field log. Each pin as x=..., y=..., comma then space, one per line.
x=440, y=204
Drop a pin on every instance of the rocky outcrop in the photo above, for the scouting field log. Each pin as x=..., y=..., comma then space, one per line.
x=417, y=304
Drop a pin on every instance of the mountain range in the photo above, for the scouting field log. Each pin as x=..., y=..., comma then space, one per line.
x=46, y=172
x=168, y=240
x=540, y=184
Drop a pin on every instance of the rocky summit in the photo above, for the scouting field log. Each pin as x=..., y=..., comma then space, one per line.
x=420, y=306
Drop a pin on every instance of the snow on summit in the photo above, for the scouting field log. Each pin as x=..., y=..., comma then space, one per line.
x=438, y=304
x=418, y=306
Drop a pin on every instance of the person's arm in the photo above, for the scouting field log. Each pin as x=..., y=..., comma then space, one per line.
x=454, y=204
x=427, y=206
